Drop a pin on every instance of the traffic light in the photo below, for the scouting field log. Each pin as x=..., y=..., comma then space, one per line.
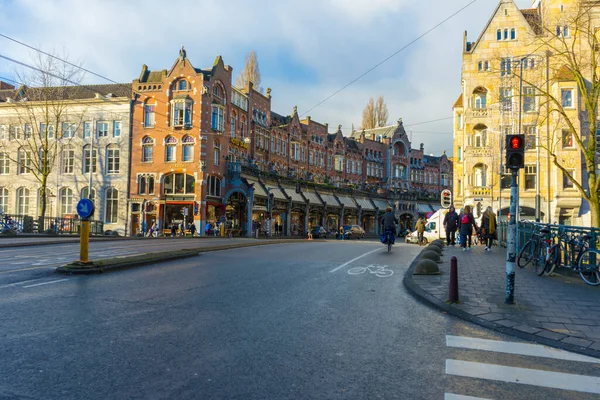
x=515, y=151
x=446, y=199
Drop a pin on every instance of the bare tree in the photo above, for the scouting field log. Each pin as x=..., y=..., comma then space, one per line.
x=381, y=111
x=369, y=118
x=43, y=121
x=250, y=73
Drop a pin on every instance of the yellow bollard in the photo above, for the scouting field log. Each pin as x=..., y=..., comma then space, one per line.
x=84, y=241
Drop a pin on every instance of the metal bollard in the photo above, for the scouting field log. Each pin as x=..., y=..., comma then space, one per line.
x=453, y=286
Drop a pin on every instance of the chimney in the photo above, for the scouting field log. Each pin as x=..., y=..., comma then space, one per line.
x=422, y=146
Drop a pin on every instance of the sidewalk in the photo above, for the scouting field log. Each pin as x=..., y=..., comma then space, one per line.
x=560, y=311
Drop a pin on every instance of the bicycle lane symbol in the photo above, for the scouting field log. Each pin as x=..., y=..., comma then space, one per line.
x=380, y=271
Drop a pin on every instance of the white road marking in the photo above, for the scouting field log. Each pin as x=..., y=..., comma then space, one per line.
x=46, y=283
x=524, y=349
x=452, y=396
x=357, y=258
x=524, y=376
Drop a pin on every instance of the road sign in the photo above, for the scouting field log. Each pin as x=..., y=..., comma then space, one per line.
x=428, y=215
x=85, y=208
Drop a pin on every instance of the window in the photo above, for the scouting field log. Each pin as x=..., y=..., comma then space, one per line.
x=218, y=118
x=505, y=66
x=68, y=160
x=513, y=34
x=217, y=153
x=566, y=96
x=480, y=66
x=310, y=157
x=112, y=205
x=68, y=130
x=66, y=201
x=459, y=118
x=188, y=148
x=28, y=133
x=149, y=115
x=87, y=128
x=339, y=163
x=85, y=193
x=3, y=199
x=50, y=131
x=147, y=149
x=528, y=99
x=23, y=162
x=113, y=158
x=506, y=98
x=116, y=128
x=486, y=65
x=14, y=132
x=179, y=184
x=568, y=183
x=562, y=31
x=272, y=144
x=243, y=129
x=182, y=85
x=145, y=184
x=233, y=126
x=4, y=164
x=101, y=129
x=170, y=149
x=86, y=159
x=506, y=34
x=2, y=132
x=480, y=98
x=530, y=176
x=567, y=139
x=214, y=186
x=499, y=34
x=182, y=113
x=530, y=136
x=22, y=201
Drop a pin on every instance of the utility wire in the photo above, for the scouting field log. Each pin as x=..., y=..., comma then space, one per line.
x=389, y=57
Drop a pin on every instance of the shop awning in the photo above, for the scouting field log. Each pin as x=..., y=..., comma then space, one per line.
x=436, y=207
x=278, y=193
x=365, y=204
x=296, y=197
x=313, y=198
x=424, y=208
x=347, y=201
x=330, y=200
x=259, y=190
x=381, y=204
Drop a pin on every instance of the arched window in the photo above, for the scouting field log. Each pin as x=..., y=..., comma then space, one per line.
x=219, y=93
x=217, y=153
x=150, y=183
x=85, y=193
x=112, y=205
x=22, y=201
x=513, y=34
x=499, y=34
x=142, y=185
x=3, y=199
x=479, y=175
x=66, y=201
x=182, y=85
x=188, y=148
x=170, y=149
x=233, y=119
x=49, y=196
x=214, y=186
x=149, y=107
x=87, y=163
x=243, y=128
x=480, y=98
x=147, y=149
x=113, y=159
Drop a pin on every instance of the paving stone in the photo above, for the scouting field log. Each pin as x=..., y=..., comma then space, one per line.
x=595, y=346
x=492, y=316
x=527, y=329
x=561, y=320
x=577, y=341
x=507, y=322
x=551, y=335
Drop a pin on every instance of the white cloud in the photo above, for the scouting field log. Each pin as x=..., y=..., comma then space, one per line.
x=331, y=41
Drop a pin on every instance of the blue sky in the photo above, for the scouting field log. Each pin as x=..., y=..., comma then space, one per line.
x=306, y=49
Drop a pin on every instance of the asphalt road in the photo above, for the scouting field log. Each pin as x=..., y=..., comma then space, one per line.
x=292, y=321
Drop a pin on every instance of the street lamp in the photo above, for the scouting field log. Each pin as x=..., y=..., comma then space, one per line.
x=270, y=211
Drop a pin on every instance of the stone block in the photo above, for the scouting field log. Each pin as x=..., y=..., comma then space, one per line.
x=426, y=267
x=431, y=255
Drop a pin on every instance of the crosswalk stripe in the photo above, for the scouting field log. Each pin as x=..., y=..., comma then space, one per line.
x=452, y=396
x=525, y=376
x=525, y=349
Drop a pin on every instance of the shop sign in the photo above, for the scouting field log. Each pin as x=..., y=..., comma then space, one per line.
x=239, y=143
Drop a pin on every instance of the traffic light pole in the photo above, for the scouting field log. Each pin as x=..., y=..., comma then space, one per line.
x=511, y=249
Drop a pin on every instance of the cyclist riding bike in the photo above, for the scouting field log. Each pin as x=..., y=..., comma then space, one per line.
x=389, y=222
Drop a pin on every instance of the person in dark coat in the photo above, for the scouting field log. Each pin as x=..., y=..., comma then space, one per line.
x=488, y=226
x=466, y=223
x=450, y=225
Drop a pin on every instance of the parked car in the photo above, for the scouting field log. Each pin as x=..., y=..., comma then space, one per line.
x=318, y=232
x=354, y=232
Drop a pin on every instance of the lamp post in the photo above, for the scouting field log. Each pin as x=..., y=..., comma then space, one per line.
x=270, y=211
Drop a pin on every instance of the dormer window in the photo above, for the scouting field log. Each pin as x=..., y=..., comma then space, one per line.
x=219, y=93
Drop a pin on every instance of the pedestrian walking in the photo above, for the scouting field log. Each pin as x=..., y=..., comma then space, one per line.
x=173, y=230
x=466, y=224
x=341, y=232
x=420, y=231
x=450, y=225
x=182, y=229
x=488, y=227
x=193, y=229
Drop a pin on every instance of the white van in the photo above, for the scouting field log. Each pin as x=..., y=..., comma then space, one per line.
x=434, y=228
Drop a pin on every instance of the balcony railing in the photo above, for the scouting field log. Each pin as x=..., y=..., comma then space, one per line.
x=479, y=192
x=479, y=112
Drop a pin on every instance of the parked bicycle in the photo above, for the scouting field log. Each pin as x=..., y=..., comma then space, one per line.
x=6, y=222
x=535, y=251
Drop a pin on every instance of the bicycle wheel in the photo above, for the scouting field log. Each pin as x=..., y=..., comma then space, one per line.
x=589, y=267
x=357, y=270
x=553, y=260
x=539, y=261
x=525, y=255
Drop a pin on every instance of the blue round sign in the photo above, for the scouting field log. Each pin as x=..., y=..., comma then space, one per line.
x=85, y=208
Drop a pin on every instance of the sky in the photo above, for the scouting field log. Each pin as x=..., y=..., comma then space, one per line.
x=307, y=49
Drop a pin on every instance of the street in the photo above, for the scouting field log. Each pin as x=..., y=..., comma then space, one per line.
x=321, y=320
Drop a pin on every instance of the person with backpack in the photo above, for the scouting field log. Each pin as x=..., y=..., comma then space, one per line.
x=466, y=223
x=488, y=227
x=420, y=230
x=450, y=225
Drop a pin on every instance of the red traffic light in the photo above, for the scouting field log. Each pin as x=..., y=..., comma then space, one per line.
x=515, y=151
x=515, y=142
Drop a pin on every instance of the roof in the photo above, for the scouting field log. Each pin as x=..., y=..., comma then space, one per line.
x=291, y=193
x=330, y=200
x=78, y=92
x=346, y=201
x=365, y=203
x=459, y=102
x=564, y=74
x=312, y=198
x=533, y=18
x=381, y=204
x=258, y=188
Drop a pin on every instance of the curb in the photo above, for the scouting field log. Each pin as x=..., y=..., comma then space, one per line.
x=75, y=239
x=424, y=297
x=138, y=260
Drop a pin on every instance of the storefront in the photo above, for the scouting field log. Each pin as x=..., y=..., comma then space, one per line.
x=333, y=211
x=367, y=218
x=315, y=207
